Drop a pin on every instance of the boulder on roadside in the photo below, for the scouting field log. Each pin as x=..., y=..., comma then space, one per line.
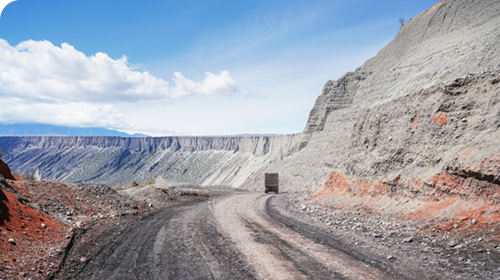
x=408, y=239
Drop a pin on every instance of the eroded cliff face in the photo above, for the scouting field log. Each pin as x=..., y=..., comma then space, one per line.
x=408, y=111
x=115, y=160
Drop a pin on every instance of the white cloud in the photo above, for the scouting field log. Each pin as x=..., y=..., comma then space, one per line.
x=221, y=84
x=40, y=71
x=68, y=114
x=43, y=83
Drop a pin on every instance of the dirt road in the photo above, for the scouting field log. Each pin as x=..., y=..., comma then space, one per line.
x=234, y=236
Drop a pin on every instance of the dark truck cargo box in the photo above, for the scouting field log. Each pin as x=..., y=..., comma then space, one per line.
x=272, y=182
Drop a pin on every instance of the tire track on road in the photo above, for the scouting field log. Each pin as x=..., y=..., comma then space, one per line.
x=236, y=212
x=319, y=237
x=307, y=266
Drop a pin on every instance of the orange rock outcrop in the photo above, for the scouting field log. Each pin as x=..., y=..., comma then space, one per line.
x=441, y=119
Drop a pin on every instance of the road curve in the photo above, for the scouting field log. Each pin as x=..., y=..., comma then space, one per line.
x=236, y=236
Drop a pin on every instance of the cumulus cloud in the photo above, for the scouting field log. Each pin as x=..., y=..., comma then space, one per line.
x=40, y=71
x=66, y=87
x=222, y=84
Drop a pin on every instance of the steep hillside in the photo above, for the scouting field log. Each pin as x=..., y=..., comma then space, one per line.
x=424, y=98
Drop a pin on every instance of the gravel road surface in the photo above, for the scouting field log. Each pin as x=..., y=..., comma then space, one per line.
x=230, y=236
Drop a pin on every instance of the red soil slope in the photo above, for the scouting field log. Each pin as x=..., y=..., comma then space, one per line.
x=31, y=243
x=38, y=216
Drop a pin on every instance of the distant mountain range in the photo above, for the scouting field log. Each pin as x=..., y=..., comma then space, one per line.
x=54, y=130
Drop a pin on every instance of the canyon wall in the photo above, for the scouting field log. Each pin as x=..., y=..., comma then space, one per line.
x=115, y=160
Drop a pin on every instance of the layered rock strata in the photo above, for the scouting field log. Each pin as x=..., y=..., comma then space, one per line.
x=115, y=160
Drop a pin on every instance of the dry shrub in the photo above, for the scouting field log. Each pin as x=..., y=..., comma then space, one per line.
x=134, y=184
x=25, y=176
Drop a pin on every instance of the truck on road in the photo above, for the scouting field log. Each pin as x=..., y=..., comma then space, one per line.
x=272, y=182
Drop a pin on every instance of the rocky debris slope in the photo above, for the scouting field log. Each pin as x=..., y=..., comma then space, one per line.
x=439, y=161
x=38, y=218
x=460, y=206
x=75, y=204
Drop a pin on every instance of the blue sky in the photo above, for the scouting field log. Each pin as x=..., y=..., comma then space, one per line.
x=184, y=67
